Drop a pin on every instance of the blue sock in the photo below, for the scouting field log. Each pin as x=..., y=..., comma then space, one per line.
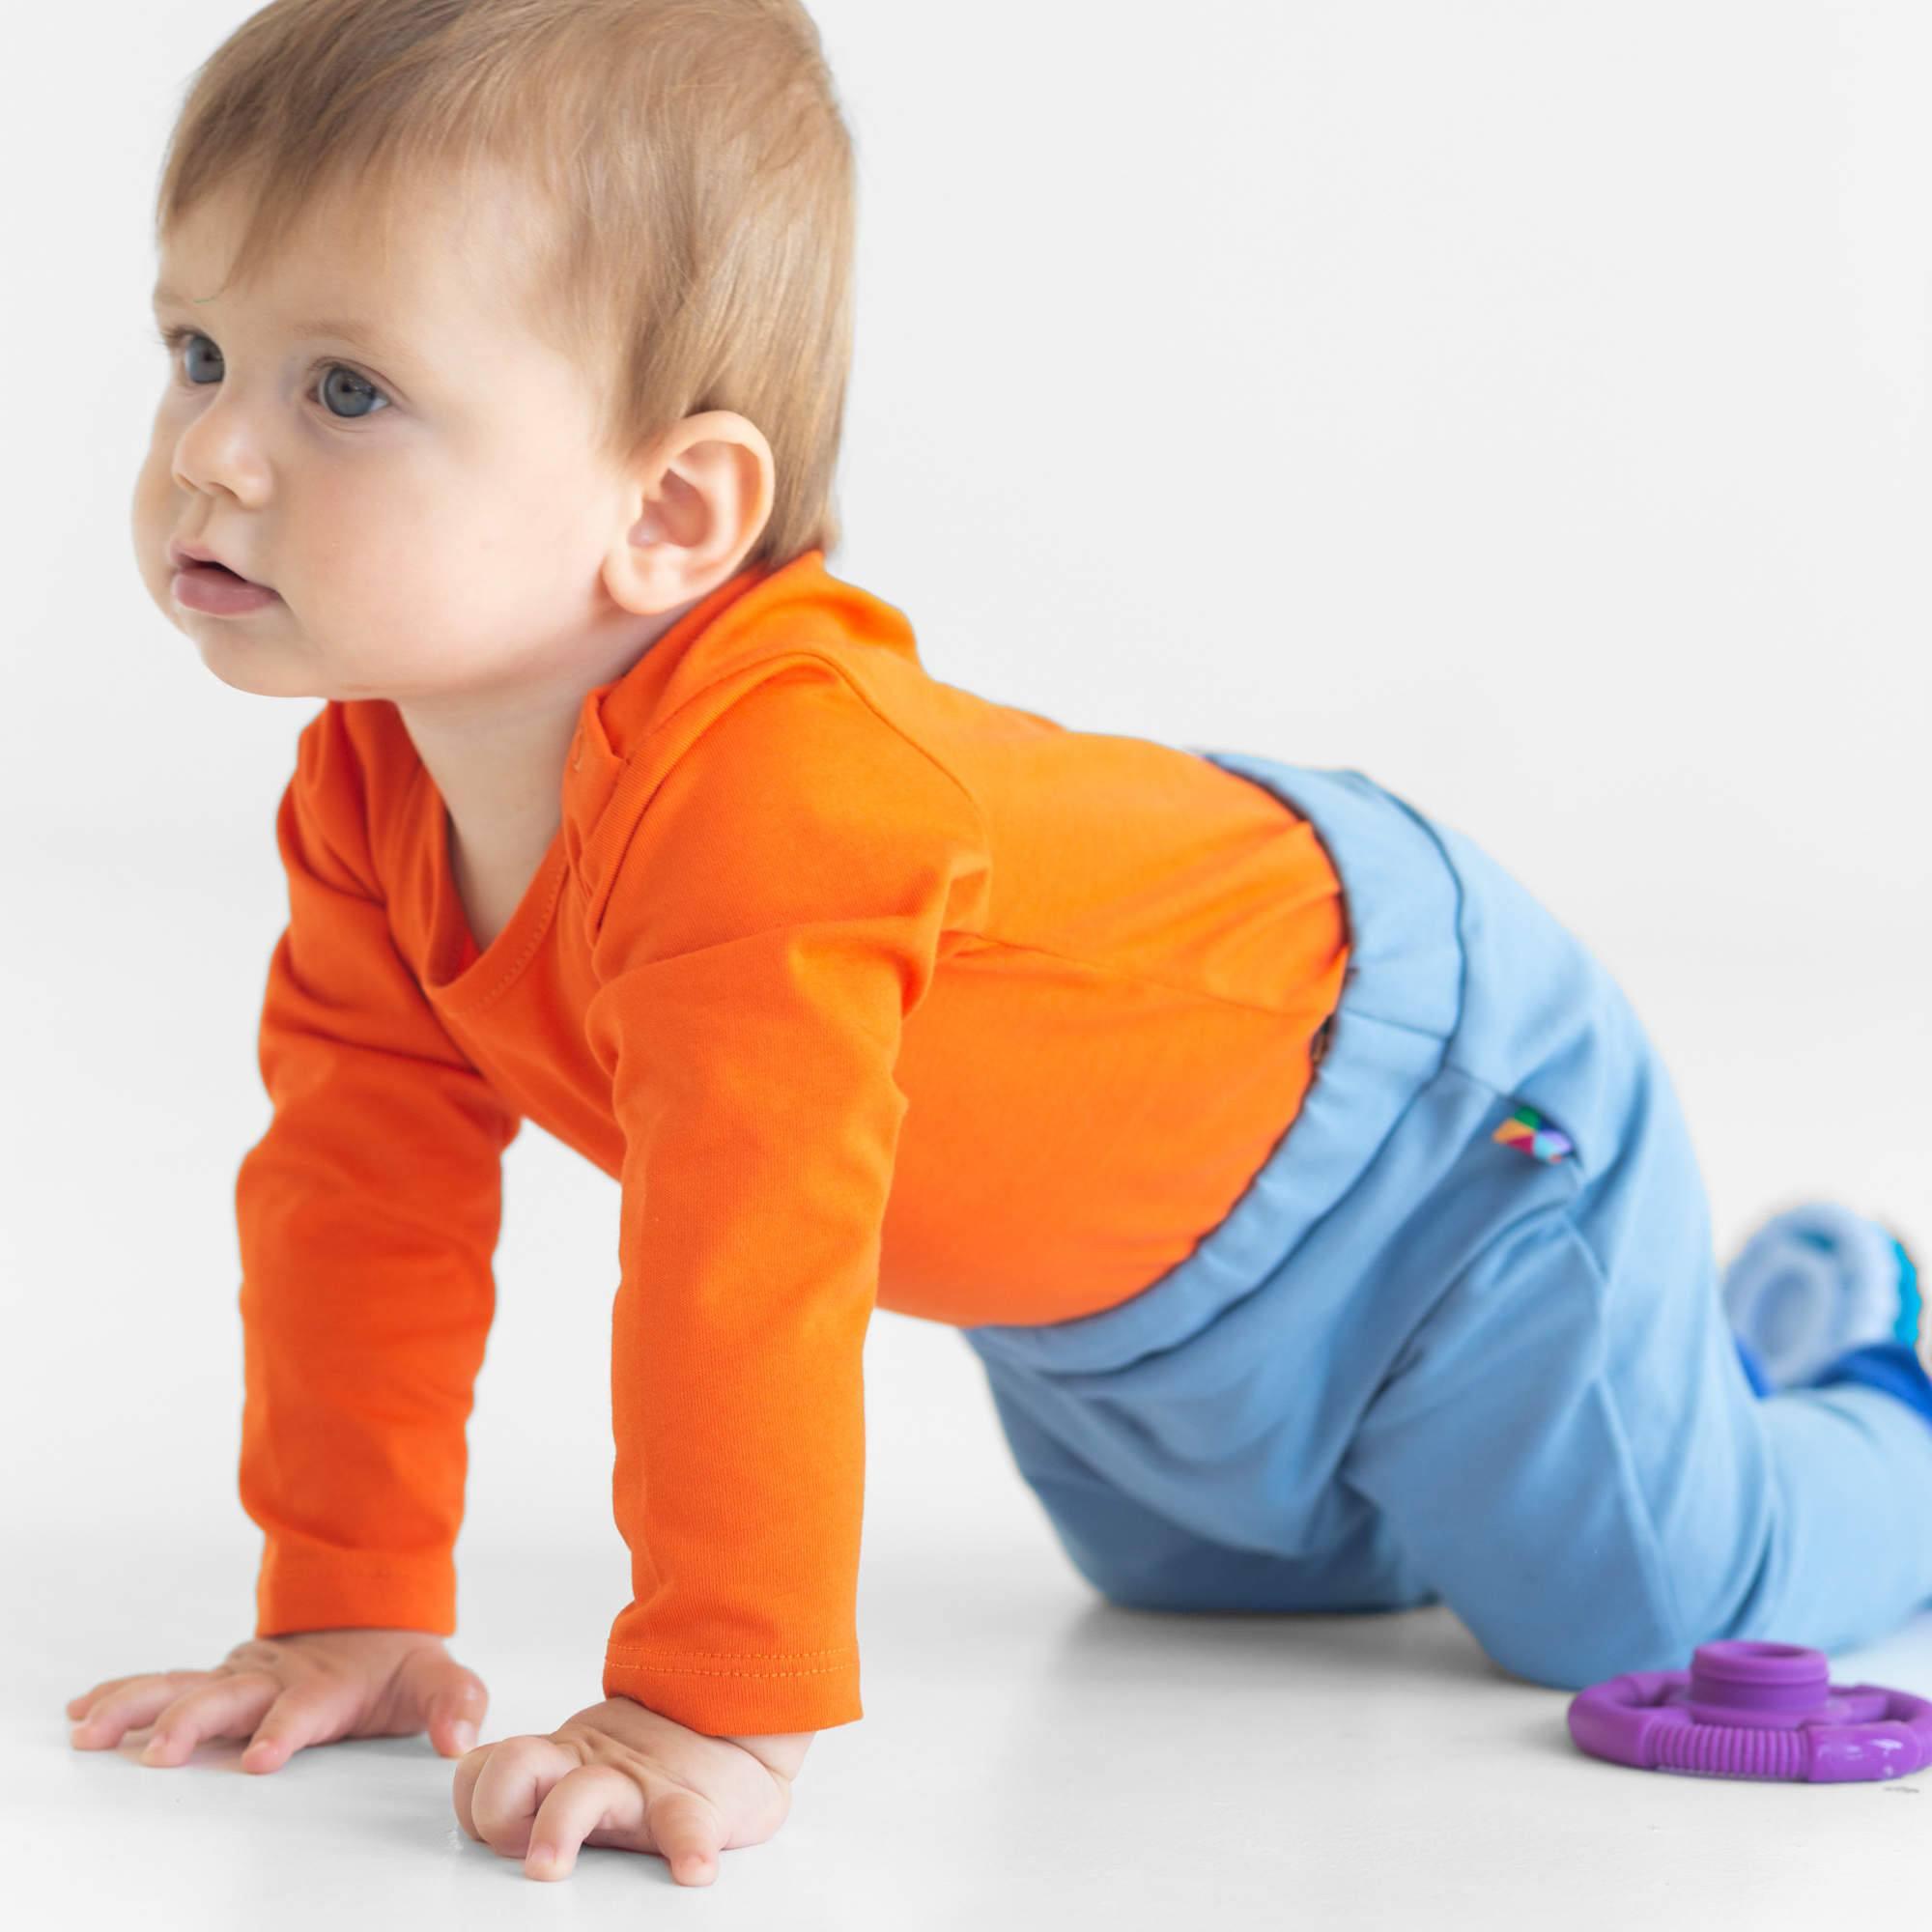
x=1890, y=1366
x=1753, y=1368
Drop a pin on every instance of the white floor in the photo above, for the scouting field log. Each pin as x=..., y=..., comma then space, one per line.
x=1028, y=1755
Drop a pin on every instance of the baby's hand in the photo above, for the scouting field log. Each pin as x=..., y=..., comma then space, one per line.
x=306, y=1688
x=619, y=1774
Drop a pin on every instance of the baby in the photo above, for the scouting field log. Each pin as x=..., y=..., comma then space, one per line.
x=1323, y=1220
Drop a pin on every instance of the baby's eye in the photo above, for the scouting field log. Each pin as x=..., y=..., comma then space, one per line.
x=354, y=390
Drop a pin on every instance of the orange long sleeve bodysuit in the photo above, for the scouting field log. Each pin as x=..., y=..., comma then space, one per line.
x=865, y=989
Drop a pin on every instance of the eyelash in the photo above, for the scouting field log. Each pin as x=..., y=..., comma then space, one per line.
x=172, y=337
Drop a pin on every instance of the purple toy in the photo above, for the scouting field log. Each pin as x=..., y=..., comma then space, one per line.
x=1755, y=1710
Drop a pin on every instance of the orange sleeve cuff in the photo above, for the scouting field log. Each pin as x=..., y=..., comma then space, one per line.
x=727, y=1695
x=305, y=1590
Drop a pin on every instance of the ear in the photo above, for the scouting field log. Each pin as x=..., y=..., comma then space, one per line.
x=696, y=502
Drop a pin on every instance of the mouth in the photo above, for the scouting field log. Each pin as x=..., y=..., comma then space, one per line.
x=182, y=557
x=202, y=583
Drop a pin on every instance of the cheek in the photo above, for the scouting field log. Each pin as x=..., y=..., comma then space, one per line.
x=395, y=560
x=393, y=582
x=153, y=517
x=452, y=558
x=153, y=502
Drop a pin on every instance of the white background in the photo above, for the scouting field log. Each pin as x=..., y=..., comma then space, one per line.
x=1522, y=401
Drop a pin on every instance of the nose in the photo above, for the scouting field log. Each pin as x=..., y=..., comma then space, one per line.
x=217, y=453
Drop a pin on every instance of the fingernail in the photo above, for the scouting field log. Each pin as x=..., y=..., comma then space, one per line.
x=465, y=1735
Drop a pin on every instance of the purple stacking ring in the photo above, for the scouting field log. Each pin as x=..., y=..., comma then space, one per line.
x=1755, y=1710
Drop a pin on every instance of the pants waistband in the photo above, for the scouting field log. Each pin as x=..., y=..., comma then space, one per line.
x=1401, y=1001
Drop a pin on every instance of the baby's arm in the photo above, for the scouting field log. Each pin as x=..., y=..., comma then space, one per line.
x=783, y=893
x=368, y=1214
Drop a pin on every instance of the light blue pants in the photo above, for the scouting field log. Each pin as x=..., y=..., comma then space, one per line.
x=1416, y=1365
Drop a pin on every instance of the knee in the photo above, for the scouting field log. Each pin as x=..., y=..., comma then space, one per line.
x=1567, y=1651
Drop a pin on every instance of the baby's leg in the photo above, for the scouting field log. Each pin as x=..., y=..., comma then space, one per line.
x=1506, y=1369
x=1570, y=1448
x=1141, y=1559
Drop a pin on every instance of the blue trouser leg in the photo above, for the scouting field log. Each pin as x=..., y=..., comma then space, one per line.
x=1141, y=1559
x=1628, y=1493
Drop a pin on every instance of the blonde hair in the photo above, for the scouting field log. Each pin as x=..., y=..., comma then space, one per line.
x=691, y=178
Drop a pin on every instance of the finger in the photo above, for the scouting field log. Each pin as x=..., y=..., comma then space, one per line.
x=135, y=1702
x=593, y=1798
x=515, y=1777
x=467, y=1772
x=293, y=1722
x=689, y=1834
x=78, y=1708
x=452, y=1697
x=222, y=1707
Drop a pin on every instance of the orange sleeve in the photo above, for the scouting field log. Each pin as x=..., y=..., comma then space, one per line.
x=778, y=913
x=368, y=1215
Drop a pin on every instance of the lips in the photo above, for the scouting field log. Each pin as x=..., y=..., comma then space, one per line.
x=185, y=556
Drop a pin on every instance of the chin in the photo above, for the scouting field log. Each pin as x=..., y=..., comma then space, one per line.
x=240, y=664
x=234, y=677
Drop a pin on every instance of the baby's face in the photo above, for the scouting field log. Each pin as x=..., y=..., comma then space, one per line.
x=420, y=491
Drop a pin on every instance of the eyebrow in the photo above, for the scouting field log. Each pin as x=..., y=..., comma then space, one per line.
x=362, y=333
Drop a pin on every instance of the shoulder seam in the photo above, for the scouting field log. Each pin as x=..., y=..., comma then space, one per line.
x=802, y=657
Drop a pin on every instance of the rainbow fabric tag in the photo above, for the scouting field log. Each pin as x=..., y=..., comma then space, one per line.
x=1526, y=1129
